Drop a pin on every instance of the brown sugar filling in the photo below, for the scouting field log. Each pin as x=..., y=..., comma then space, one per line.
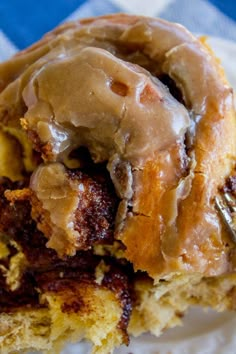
x=75, y=203
x=44, y=271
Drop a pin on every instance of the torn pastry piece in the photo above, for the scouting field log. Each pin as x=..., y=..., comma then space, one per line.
x=75, y=211
x=74, y=295
x=151, y=106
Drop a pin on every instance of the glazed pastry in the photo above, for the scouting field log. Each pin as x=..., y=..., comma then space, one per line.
x=126, y=128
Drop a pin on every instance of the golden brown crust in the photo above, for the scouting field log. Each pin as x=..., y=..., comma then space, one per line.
x=194, y=244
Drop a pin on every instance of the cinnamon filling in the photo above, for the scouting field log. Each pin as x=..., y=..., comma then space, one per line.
x=44, y=271
x=73, y=208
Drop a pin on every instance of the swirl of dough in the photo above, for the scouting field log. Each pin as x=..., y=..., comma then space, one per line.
x=96, y=83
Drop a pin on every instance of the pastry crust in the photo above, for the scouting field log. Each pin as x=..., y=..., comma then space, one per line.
x=151, y=103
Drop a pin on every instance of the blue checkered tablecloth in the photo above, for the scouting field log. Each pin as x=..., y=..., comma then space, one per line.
x=22, y=22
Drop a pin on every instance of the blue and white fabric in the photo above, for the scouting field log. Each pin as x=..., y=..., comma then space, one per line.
x=22, y=22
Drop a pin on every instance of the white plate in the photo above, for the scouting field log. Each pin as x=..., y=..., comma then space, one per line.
x=202, y=332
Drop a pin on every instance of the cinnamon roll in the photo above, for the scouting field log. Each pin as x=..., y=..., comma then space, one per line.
x=121, y=133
